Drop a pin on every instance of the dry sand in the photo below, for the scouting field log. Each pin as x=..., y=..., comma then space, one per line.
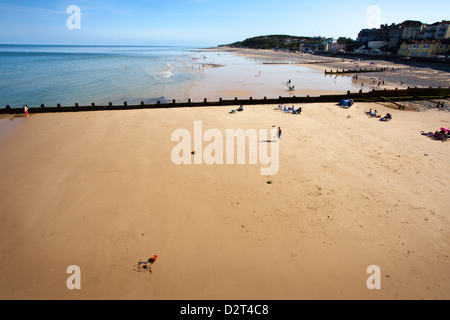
x=99, y=190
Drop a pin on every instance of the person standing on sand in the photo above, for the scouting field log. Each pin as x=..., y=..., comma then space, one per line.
x=279, y=133
x=25, y=108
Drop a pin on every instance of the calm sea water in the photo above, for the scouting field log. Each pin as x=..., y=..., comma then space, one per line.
x=35, y=75
x=49, y=75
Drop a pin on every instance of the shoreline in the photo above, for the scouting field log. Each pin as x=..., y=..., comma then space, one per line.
x=415, y=76
x=245, y=75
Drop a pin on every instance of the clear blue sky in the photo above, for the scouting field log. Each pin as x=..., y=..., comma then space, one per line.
x=199, y=22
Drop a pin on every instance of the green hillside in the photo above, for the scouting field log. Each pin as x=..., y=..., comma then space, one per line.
x=282, y=42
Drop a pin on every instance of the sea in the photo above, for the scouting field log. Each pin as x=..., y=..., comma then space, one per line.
x=58, y=74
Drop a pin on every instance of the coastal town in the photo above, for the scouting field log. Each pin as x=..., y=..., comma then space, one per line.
x=407, y=39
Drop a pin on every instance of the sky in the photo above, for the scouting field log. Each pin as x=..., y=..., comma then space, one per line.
x=200, y=22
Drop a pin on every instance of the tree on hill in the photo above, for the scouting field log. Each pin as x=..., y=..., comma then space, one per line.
x=271, y=42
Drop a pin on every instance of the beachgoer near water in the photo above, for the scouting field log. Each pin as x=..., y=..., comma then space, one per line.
x=25, y=108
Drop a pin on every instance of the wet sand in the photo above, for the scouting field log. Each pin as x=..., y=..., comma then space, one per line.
x=259, y=74
x=406, y=77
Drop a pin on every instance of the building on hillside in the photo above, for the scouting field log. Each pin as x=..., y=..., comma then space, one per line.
x=337, y=47
x=425, y=48
x=411, y=29
x=395, y=36
x=314, y=47
x=392, y=34
x=390, y=37
x=367, y=35
x=443, y=30
x=437, y=30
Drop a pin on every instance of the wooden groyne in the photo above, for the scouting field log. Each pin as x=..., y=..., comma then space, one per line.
x=365, y=70
x=298, y=63
x=410, y=94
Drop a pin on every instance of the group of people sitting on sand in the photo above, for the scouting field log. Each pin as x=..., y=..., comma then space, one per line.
x=241, y=108
x=374, y=114
x=443, y=134
x=290, y=109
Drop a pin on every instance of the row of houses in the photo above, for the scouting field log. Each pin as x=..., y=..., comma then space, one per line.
x=425, y=48
x=409, y=38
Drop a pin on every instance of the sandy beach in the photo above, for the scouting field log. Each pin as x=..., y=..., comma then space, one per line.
x=99, y=190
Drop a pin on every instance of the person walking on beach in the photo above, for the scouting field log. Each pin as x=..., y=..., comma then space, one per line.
x=25, y=108
x=279, y=133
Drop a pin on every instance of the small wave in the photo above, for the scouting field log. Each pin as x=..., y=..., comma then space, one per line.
x=194, y=81
x=165, y=74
